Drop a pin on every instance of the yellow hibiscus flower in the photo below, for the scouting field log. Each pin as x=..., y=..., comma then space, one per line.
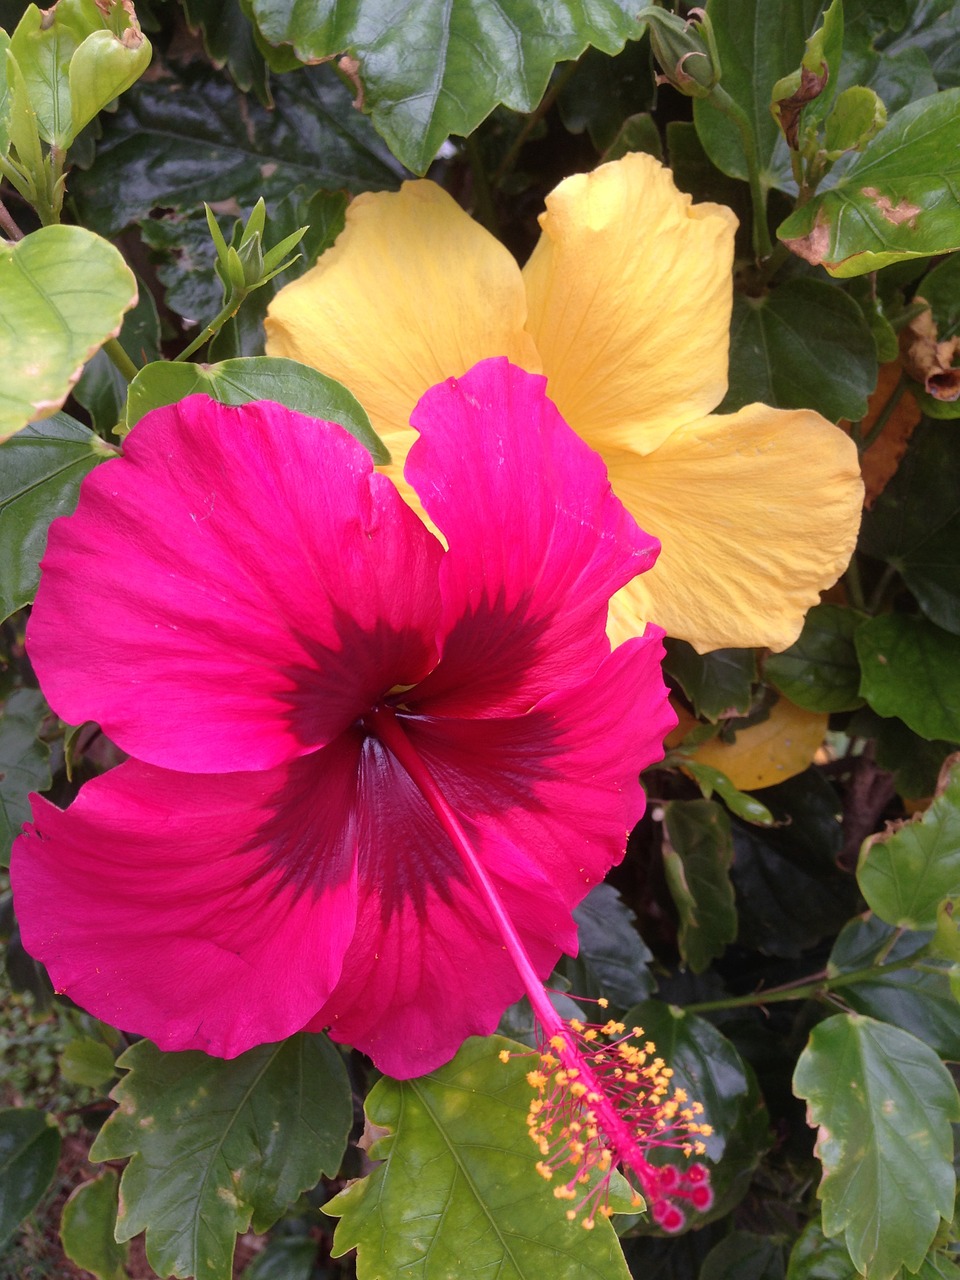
x=625, y=305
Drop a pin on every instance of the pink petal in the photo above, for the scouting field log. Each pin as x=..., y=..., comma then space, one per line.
x=234, y=590
x=548, y=799
x=538, y=542
x=206, y=912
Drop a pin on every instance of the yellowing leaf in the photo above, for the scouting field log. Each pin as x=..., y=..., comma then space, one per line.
x=782, y=745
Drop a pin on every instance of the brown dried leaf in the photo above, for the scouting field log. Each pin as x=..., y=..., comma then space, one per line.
x=927, y=360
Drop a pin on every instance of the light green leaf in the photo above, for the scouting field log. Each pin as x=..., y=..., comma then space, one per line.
x=857, y=117
x=24, y=762
x=745, y=806
x=946, y=938
x=883, y=1103
x=911, y=669
x=906, y=871
x=29, y=1150
x=40, y=473
x=457, y=1193
x=900, y=199
x=87, y=1061
x=804, y=345
x=820, y=670
x=86, y=1228
x=63, y=292
x=255, y=378
x=697, y=855
x=216, y=1146
x=420, y=85
x=5, y=103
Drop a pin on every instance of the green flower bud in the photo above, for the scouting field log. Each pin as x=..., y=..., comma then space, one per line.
x=685, y=50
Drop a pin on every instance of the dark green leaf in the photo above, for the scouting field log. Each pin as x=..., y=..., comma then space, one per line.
x=286, y=1258
x=814, y=1257
x=900, y=199
x=670, y=1257
x=24, y=762
x=638, y=133
x=718, y=684
x=102, y=389
x=745, y=1256
x=918, y=1001
x=915, y=523
x=180, y=142
x=914, y=762
x=418, y=88
x=906, y=871
x=217, y=1145
x=883, y=1103
x=86, y=1228
x=40, y=472
x=457, y=1192
x=804, y=345
x=604, y=93
x=697, y=854
x=231, y=41
x=613, y=958
x=932, y=28
x=258, y=378
x=820, y=670
x=911, y=669
x=29, y=1150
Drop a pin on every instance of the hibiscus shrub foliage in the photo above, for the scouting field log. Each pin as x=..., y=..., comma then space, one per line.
x=623, y=815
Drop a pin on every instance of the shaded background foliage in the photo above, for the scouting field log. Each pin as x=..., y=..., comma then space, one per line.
x=775, y=957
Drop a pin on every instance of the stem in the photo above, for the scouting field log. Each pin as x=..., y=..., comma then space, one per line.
x=761, y=233
x=880, y=590
x=531, y=122
x=229, y=308
x=852, y=582
x=804, y=990
x=485, y=210
x=121, y=360
x=8, y=224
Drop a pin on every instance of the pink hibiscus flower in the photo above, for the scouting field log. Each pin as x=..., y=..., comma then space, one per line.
x=304, y=678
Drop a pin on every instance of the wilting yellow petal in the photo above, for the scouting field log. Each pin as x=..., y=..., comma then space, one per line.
x=757, y=511
x=772, y=751
x=630, y=290
x=413, y=292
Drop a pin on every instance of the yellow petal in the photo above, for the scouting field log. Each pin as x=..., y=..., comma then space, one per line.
x=630, y=290
x=776, y=749
x=413, y=292
x=757, y=511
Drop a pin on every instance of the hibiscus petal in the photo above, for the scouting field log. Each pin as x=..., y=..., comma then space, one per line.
x=630, y=291
x=538, y=542
x=758, y=512
x=204, y=911
x=547, y=800
x=413, y=292
x=234, y=590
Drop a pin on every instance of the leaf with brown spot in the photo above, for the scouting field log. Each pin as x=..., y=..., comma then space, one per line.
x=928, y=360
x=880, y=461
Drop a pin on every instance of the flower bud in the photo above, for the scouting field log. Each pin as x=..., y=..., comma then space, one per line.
x=685, y=50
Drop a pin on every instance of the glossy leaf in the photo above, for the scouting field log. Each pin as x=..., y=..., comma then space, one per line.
x=711, y=780
x=804, y=345
x=697, y=854
x=820, y=670
x=906, y=871
x=29, y=1150
x=457, y=1191
x=909, y=669
x=231, y=40
x=914, y=999
x=24, y=762
x=59, y=316
x=814, y=1257
x=418, y=89
x=900, y=199
x=883, y=1103
x=86, y=1228
x=718, y=684
x=258, y=378
x=217, y=1146
x=40, y=473
x=613, y=959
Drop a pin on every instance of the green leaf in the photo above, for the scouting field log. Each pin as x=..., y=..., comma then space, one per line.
x=216, y=1146
x=231, y=40
x=758, y=44
x=76, y=59
x=87, y=1061
x=697, y=854
x=24, y=762
x=175, y=142
x=29, y=1151
x=603, y=94
x=457, y=1192
x=419, y=87
x=285, y=1258
x=258, y=378
x=883, y=1103
x=40, y=473
x=63, y=292
x=86, y=1228
x=858, y=116
x=914, y=762
x=613, y=959
x=906, y=871
x=941, y=289
x=801, y=99
x=804, y=345
x=718, y=684
x=915, y=523
x=946, y=937
x=916, y=1000
x=5, y=102
x=814, y=1257
x=746, y=1256
x=745, y=806
x=900, y=199
x=102, y=389
x=911, y=669
x=933, y=28
x=820, y=670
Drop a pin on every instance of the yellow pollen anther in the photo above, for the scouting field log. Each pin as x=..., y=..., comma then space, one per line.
x=544, y=1170
x=576, y=1025
x=571, y=1215
x=603, y=1002
x=587, y=1224
x=504, y=1055
x=558, y=1043
x=536, y=1079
